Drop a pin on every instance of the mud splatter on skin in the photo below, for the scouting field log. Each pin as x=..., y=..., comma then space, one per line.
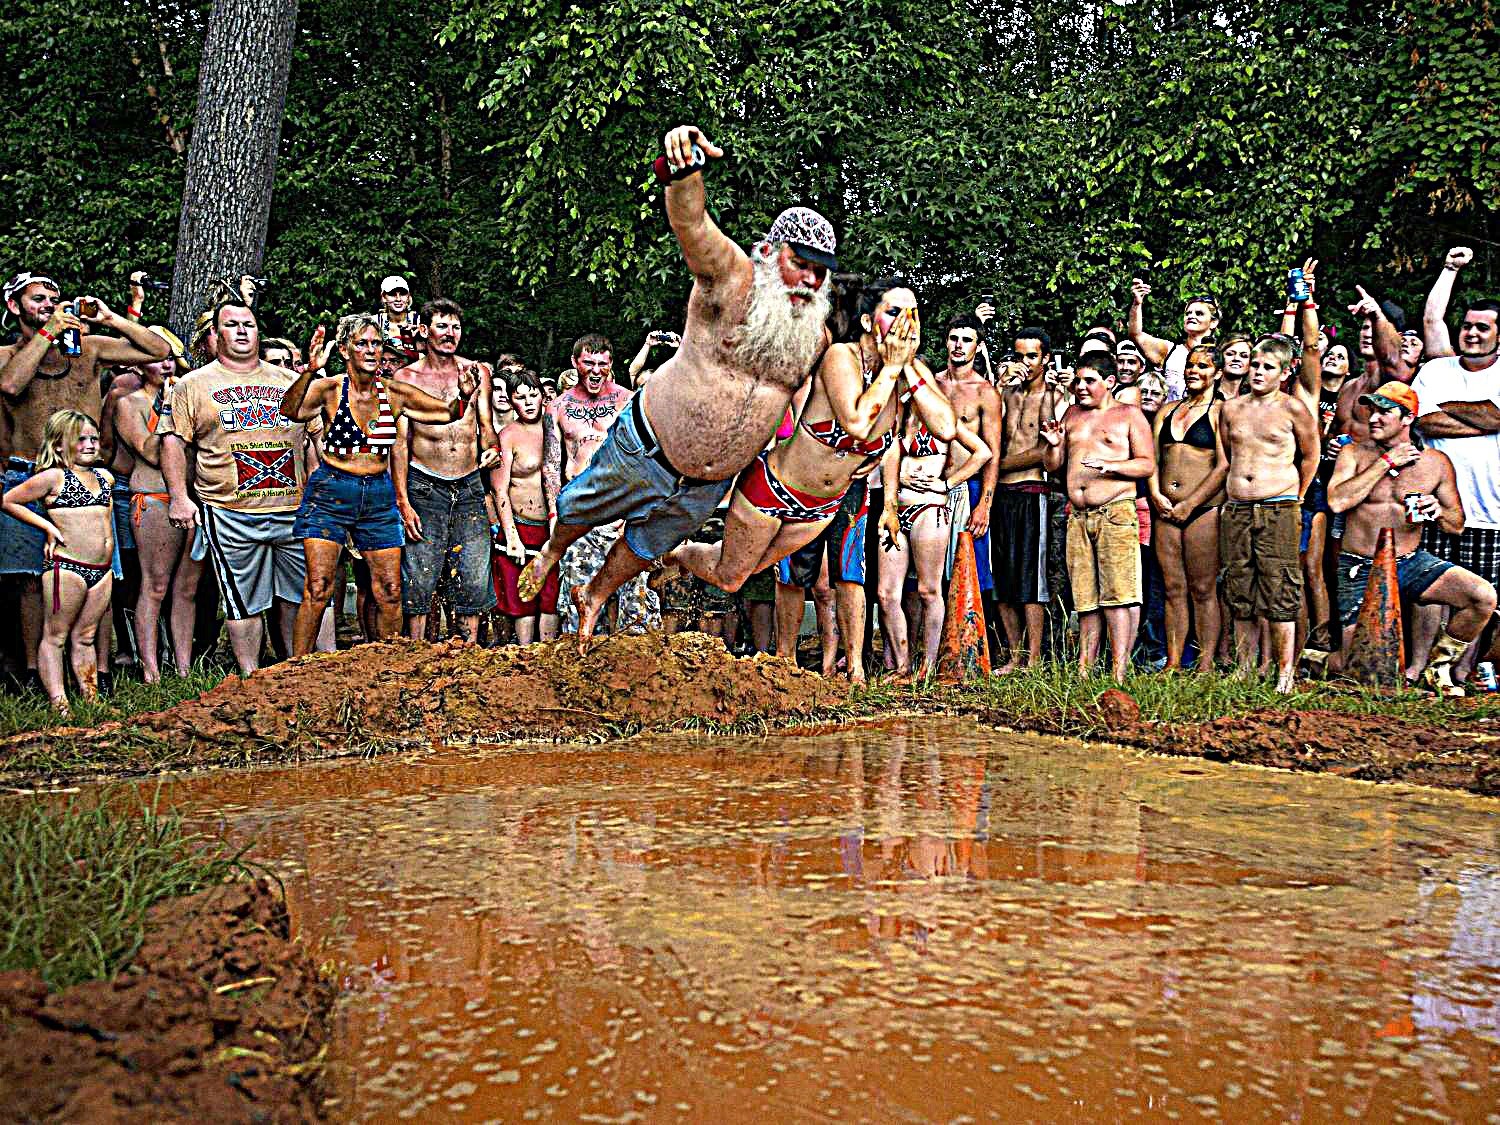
x=922, y=921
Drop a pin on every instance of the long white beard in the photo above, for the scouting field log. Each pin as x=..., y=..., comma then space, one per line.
x=778, y=333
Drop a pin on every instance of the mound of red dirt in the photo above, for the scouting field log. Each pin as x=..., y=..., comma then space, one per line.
x=219, y=1017
x=1367, y=747
x=383, y=696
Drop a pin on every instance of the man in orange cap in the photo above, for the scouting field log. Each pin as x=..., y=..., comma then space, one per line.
x=1390, y=481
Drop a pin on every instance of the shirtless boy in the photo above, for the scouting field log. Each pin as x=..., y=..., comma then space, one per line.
x=522, y=510
x=1268, y=453
x=755, y=328
x=1021, y=509
x=1104, y=447
x=573, y=429
x=1389, y=482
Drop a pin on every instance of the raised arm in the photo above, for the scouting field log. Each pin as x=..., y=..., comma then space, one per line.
x=708, y=252
x=130, y=424
x=1305, y=430
x=410, y=401
x=1154, y=348
x=638, y=364
x=1436, y=340
x=134, y=344
x=20, y=368
x=856, y=407
x=302, y=401
x=931, y=403
x=1310, y=378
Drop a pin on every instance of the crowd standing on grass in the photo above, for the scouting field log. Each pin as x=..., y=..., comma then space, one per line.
x=1213, y=498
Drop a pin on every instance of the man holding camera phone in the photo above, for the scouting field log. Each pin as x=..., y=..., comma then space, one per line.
x=37, y=379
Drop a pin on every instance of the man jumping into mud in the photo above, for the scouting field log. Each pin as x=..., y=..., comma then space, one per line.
x=755, y=328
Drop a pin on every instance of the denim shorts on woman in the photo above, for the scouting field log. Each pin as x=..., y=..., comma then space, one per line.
x=339, y=507
x=624, y=481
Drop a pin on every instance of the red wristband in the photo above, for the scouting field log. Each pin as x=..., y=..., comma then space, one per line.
x=45, y=335
x=463, y=405
x=132, y=311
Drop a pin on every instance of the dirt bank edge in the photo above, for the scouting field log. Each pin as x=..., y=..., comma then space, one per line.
x=220, y=1016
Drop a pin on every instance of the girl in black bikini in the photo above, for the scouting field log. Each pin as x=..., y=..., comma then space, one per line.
x=77, y=516
x=1187, y=541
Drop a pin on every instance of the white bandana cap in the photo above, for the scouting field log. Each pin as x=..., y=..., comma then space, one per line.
x=807, y=233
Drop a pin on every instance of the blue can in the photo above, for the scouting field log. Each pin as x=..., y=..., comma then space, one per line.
x=68, y=341
x=1296, y=286
x=1485, y=674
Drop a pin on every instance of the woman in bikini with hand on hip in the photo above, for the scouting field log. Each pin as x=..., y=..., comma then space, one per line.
x=77, y=516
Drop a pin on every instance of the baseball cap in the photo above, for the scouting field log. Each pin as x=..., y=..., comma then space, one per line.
x=395, y=281
x=1392, y=395
x=808, y=234
x=178, y=351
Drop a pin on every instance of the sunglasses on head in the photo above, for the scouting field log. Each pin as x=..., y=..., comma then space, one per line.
x=1204, y=300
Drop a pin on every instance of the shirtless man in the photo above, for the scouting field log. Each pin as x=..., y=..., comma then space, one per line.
x=1268, y=453
x=440, y=491
x=1021, y=510
x=1389, y=482
x=36, y=380
x=522, y=508
x=755, y=328
x=573, y=429
x=977, y=406
x=1104, y=446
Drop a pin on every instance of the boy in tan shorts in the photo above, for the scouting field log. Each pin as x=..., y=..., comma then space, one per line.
x=1106, y=447
x=1268, y=454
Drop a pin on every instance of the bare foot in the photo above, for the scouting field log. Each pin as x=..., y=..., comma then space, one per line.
x=857, y=679
x=1005, y=669
x=1286, y=682
x=529, y=581
x=60, y=705
x=588, y=614
x=665, y=574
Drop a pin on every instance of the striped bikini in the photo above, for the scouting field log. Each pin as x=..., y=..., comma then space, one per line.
x=346, y=438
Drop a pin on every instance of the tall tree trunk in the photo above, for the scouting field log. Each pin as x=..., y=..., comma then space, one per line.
x=231, y=163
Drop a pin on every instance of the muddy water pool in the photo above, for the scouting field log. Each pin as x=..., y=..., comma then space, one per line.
x=916, y=921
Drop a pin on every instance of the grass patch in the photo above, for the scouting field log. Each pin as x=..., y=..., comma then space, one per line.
x=31, y=711
x=1056, y=690
x=78, y=879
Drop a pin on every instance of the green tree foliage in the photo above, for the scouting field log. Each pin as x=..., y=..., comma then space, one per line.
x=496, y=151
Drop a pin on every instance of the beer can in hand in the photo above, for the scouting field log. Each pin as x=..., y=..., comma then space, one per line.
x=1296, y=286
x=69, y=342
x=1413, y=501
x=1484, y=673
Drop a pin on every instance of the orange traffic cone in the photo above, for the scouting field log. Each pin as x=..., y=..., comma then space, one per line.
x=1377, y=655
x=963, y=654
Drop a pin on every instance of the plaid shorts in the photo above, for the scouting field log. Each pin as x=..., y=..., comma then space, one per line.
x=1476, y=549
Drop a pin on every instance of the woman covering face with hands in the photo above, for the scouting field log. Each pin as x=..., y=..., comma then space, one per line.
x=789, y=494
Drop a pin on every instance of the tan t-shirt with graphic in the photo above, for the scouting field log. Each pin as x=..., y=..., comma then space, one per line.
x=249, y=455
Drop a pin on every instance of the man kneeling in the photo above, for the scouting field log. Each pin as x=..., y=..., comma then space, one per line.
x=1389, y=482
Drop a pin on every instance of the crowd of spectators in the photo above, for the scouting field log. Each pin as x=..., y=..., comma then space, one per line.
x=1209, y=499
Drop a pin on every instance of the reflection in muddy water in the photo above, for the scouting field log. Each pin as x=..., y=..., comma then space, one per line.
x=925, y=922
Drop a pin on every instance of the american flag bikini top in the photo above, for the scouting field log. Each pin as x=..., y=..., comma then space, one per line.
x=345, y=438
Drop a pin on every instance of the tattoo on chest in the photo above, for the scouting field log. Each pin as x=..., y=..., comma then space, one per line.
x=590, y=415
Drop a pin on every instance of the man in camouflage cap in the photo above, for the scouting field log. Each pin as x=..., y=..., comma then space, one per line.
x=755, y=329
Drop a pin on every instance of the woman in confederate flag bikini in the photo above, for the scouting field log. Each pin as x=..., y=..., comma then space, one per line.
x=350, y=496
x=789, y=494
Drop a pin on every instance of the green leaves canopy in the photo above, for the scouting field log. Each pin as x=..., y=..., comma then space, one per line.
x=497, y=151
